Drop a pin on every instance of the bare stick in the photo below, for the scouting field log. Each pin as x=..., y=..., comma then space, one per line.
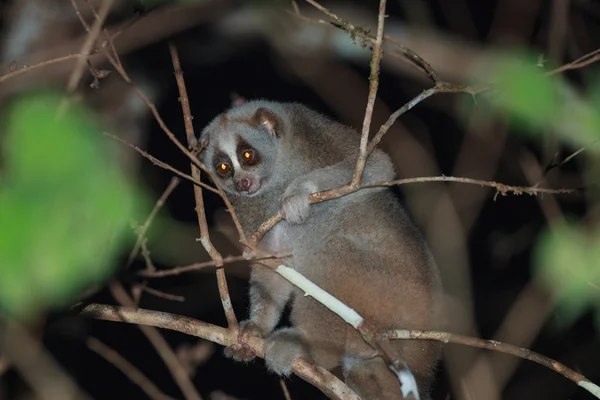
x=161, y=164
x=200, y=211
x=198, y=266
x=364, y=34
x=163, y=349
x=162, y=295
x=438, y=88
x=27, y=355
x=373, y=85
x=501, y=188
x=144, y=228
x=581, y=62
x=331, y=194
x=319, y=377
x=40, y=65
x=285, y=390
x=226, y=337
x=88, y=44
x=192, y=157
x=134, y=374
x=506, y=348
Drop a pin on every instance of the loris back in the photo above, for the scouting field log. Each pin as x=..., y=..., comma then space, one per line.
x=362, y=248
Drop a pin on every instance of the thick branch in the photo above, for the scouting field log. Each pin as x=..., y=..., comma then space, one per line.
x=321, y=378
x=494, y=345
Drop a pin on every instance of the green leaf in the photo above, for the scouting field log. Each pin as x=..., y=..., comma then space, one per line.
x=567, y=262
x=65, y=206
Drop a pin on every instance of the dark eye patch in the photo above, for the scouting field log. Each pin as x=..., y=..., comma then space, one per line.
x=241, y=147
x=219, y=158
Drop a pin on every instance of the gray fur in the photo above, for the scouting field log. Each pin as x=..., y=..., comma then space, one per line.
x=361, y=248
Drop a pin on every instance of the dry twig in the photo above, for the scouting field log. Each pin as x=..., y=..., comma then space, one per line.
x=494, y=345
x=321, y=378
x=204, y=235
x=144, y=228
x=121, y=363
x=227, y=337
x=198, y=266
x=373, y=86
x=178, y=372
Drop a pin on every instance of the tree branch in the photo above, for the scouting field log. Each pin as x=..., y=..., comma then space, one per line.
x=200, y=211
x=319, y=377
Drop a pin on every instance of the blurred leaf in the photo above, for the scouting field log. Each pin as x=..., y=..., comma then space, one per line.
x=537, y=103
x=567, y=262
x=524, y=92
x=64, y=206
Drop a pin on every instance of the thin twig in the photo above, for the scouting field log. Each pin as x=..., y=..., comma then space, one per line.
x=162, y=164
x=144, y=228
x=200, y=211
x=88, y=45
x=35, y=365
x=163, y=295
x=163, y=349
x=198, y=266
x=319, y=377
x=439, y=88
x=364, y=34
x=494, y=345
x=29, y=68
x=331, y=194
x=81, y=19
x=373, y=86
x=581, y=62
x=128, y=369
x=501, y=188
x=285, y=390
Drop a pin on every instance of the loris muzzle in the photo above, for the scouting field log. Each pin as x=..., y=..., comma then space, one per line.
x=362, y=248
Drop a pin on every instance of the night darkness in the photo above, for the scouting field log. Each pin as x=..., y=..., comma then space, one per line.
x=499, y=241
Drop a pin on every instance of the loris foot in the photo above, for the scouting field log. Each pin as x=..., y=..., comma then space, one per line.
x=241, y=351
x=282, y=347
x=295, y=204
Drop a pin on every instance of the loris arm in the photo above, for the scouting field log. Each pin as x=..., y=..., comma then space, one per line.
x=295, y=204
x=269, y=293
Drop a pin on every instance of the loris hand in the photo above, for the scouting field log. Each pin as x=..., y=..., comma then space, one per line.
x=295, y=205
x=241, y=351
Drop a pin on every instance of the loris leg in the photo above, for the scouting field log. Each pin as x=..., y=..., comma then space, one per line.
x=295, y=205
x=269, y=293
x=282, y=347
x=371, y=379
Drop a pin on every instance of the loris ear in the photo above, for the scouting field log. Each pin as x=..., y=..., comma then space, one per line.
x=267, y=119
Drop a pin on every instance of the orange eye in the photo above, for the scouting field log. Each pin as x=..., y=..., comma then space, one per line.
x=248, y=155
x=223, y=169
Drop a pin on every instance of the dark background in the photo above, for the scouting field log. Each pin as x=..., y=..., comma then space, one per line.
x=499, y=244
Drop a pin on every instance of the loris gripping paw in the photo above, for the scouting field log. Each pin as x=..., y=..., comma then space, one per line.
x=241, y=351
x=295, y=204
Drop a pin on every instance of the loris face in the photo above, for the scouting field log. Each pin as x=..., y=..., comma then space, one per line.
x=242, y=148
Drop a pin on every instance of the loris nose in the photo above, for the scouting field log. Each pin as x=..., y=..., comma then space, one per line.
x=243, y=184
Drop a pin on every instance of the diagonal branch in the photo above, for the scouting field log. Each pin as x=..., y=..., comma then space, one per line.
x=373, y=86
x=319, y=377
x=200, y=211
x=134, y=374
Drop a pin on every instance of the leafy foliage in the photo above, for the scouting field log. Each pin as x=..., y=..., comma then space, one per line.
x=64, y=205
x=567, y=258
